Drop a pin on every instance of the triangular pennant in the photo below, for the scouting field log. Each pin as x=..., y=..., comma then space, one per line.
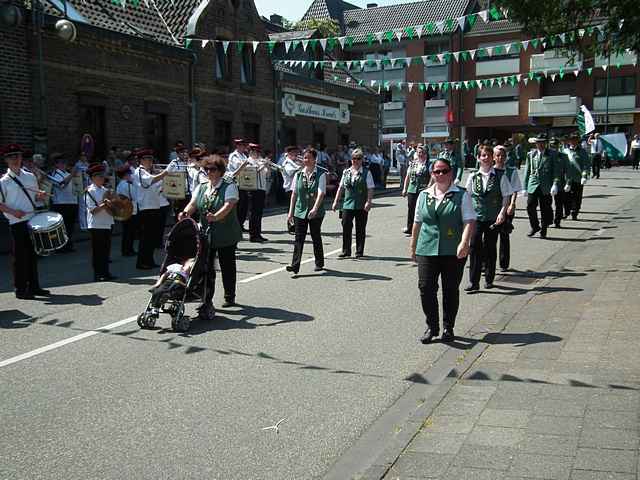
x=410, y=85
x=373, y=82
x=507, y=48
x=333, y=64
x=525, y=80
x=255, y=46
x=480, y=85
x=270, y=46
x=441, y=57
x=604, y=67
x=519, y=77
x=347, y=80
x=495, y=13
x=576, y=72
x=461, y=21
x=225, y=47
x=419, y=31
x=305, y=45
x=440, y=26
x=561, y=73
x=465, y=55
x=471, y=19
x=425, y=59
x=472, y=53
x=589, y=70
x=393, y=62
x=456, y=55
x=535, y=42
x=378, y=64
x=349, y=63
x=287, y=46
x=323, y=43
x=525, y=44
x=204, y=43
x=553, y=77
x=544, y=44
x=531, y=74
x=489, y=51
x=484, y=14
x=342, y=41
x=562, y=37
x=399, y=35
x=430, y=27
x=239, y=46
x=379, y=36
x=410, y=32
x=581, y=32
x=440, y=85
x=449, y=23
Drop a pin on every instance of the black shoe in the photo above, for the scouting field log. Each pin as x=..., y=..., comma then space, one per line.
x=533, y=231
x=229, y=302
x=543, y=232
x=472, y=288
x=428, y=336
x=504, y=269
x=574, y=216
x=344, y=255
x=564, y=217
x=25, y=296
x=488, y=285
x=318, y=269
x=262, y=239
x=109, y=278
x=206, y=312
x=359, y=255
x=256, y=240
x=557, y=224
x=41, y=292
x=406, y=231
x=291, y=269
x=448, y=335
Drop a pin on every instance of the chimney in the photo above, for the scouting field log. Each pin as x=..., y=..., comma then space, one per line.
x=276, y=19
x=372, y=5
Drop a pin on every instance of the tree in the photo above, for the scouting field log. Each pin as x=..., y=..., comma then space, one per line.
x=326, y=26
x=620, y=18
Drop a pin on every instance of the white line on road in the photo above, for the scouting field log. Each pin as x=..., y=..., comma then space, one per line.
x=111, y=326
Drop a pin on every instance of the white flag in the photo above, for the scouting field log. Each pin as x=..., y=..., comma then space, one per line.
x=484, y=14
x=204, y=43
x=342, y=41
x=461, y=22
x=410, y=84
x=287, y=46
x=456, y=55
x=379, y=36
x=255, y=46
x=305, y=44
x=399, y=34
x=419, y=31
x=225, y=47
x=440, y=26
x=472, y=53
x=525, y=44
x=323, y=43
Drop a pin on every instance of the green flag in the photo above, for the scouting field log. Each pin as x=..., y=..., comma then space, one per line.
x=615, y=146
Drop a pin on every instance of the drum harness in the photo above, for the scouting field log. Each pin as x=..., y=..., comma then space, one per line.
x=4, y=199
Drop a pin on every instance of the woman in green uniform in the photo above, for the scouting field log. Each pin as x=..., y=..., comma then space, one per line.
x=357, y=185
x=416, y=179
x=444, y=223
x=215, y=200
x=306, y=209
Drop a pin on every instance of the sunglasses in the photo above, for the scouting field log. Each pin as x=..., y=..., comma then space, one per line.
x=441, y=172
x=210, y=169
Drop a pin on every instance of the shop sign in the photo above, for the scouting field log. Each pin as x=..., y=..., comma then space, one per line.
x=598, y=118
x=292, y=108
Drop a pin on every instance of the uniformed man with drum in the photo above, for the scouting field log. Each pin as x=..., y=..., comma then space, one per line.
x=18, y=193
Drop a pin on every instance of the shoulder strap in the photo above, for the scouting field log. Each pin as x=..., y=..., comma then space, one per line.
x=4, y=199
x=87, y=192
x=24, y=190
x=140, y=178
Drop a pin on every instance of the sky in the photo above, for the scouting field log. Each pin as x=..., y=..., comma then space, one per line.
x=293, y=10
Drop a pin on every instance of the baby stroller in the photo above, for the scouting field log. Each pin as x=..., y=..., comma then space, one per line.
x=184, y=242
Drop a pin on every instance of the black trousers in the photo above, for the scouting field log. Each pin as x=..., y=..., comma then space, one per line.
x=546, y=212
x=100, y=251
x=291, y=227
x=24, y=261
x=69, y=214
x=348, y=217
x=575, y=197
x=129, y=235
x=227, y=259
x=243, y=207
x=504, y=233
x=635, y=158
x=412, y=200
x=376, y=173
x=451, y=269
x=162, y=225
x=559, y=202
x=148, y=221
x=256, y=200
x=483, y=251
x=314, y=226
x=596, y=163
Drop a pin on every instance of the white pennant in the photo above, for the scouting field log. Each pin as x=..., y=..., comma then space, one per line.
x=305, y=44
x=544, y=44
x=419, y=30
x=576, y=72
x=323, y=43
x=489, y=51
x=525, y=44
x=581, y=32
x=393, y=62
x=519, y=77
x=507, y=47
x=562, y=37
x=204, y=43
x=492, y=81
x=410, y=84
x=225, y=47
x=484, y=14
x=362, y=64
x=347, y=80
x=440, y=26
x=604, y=67
x=349, y=63
x=456, y=55
x=601, y=28
x=425, y=59
x=342, y=41
x=479, y=85
x=255, y=46
x=546, y=74
x=399, y=34
x=333, y=65
x=378, y=64
x=461, y=22
x=441, y=57
x=287, y=46
x=379, y=36
x=466, y=84
x=373, y=82
x=440, y=85
x=553, y=77
x=525, y=80
x=472, y=53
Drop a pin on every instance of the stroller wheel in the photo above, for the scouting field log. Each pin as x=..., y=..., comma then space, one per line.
x=146, y=320
x=142, y=320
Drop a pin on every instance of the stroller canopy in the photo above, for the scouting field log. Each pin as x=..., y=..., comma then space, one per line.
x=183, y=241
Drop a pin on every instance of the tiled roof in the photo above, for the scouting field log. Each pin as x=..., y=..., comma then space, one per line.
x=499, y=26
x=140, y=20
x=321, y=9
x=370, y=20
x=292, y=35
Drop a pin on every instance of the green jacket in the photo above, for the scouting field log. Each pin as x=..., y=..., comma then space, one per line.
x=578, y=164
x=487, y=203
x=541, y=171
x=562, y=164
x=307, y=193
x=442, y=227
x=456, y=162
x=226, y=232
x=355, y=190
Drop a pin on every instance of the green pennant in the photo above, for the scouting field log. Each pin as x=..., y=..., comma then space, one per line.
x=387, y=85
x=370, y=39
x=590, y=30
x=481, y=52
x=495, y=13
x=331, y=43
x=430, y=27
x=513, y=80
x=531, y=75
x=371, y=63
x=539, y=78
x=561, y=73
x=432, y=58
x=589, y=71
x=294, y=45
x=386, y=61
x=498, y=50
x=360, y=82
x=335, y=78
x=471, y=20
x=516, y=46
x=240, y=46
x=465, y=56
x=270, y=46
x=410, y=32
x=449, y=23
x=447, y=57
x=349, y=42
x=416, y=61
x=445, y=86
x=421, y=87
x=572, y=37
x=535, y=42
x=618, y=65
x=314, y=43
x=187, y=42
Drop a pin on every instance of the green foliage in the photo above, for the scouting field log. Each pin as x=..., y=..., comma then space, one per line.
x=547, y=18
x=327, y=27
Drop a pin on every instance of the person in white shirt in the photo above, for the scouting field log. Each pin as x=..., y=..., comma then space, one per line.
x=99, y=223
x=81, y=166
x=635, y=152
x=290, y=166
x=256, y=198
x=237, y=159
x=149, y=204
x=596, y=154
x=126, y=189
x=491, y=195
x=18, y=193
x=180, y=162
x=401, y=159
x=64, y=200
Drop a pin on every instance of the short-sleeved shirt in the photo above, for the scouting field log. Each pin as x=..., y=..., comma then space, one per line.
x=147, y=194
x=468, y=212
x=99, y=220
x=290, y=167
x=322, y=180
x=231, y=193
x=14, y=197
x=235, y=160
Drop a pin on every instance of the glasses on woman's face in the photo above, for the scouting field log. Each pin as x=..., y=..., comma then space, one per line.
x=210, y=168
x=356, y=158
x=442, y=171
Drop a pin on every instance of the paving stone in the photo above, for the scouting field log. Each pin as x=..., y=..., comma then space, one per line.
x=495, y=436
x=560, y=408
x=421, y=465
x=460, y=408
x=619, y=402
x=612, y=419
x=494, y=458
x=605, y=460
x=432, y=442
x=542, y=466
x=589, y=475
x=461, y=473
x=450, y=424
x=595, y=437
x=544, y=424
x=504, y=418
x=549, y=444
x=567, y=392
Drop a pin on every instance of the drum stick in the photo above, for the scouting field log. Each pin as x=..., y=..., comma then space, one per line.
x=38, y=191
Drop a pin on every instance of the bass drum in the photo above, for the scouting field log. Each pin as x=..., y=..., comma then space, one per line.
x=47, y=232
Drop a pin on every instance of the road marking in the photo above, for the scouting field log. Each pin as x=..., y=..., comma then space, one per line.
x=111, y=326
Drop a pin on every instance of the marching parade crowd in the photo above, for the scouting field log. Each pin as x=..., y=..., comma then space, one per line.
x=446, y=220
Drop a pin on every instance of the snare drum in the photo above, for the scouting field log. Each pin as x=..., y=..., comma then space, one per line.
x=47, y=232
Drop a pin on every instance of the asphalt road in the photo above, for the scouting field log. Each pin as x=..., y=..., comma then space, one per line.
x=327, y=352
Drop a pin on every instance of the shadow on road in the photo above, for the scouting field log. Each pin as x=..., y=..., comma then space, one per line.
x=350, y=276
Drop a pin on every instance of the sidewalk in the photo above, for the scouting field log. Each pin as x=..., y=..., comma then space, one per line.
x=548, y=387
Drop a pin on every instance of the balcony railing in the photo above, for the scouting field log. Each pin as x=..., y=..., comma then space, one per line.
x=550, y=61
x=497, y=108
x=624, y=59
x=499, y=66
x=552, y=106
x=393, y=118
x=618, y=103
